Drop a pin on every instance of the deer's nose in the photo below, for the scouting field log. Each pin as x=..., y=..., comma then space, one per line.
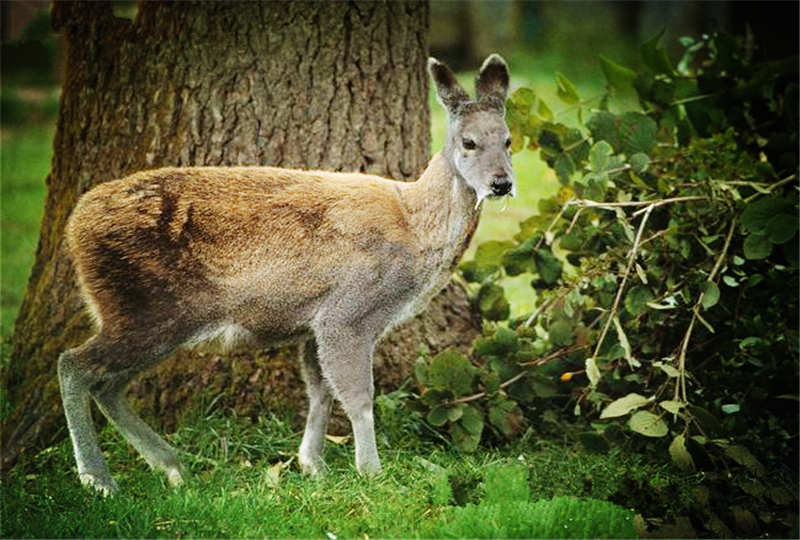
x=501, y=185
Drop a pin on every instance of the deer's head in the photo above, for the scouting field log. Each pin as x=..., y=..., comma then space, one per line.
x=478, y=143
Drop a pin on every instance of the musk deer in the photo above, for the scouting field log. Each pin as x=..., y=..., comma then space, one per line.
x=262, y=255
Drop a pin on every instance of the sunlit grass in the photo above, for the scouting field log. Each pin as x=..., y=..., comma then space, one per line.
x=25, y=154
x=244, y=482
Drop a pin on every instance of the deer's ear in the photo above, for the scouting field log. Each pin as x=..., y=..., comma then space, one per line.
x=450, y=94
x=492, y=81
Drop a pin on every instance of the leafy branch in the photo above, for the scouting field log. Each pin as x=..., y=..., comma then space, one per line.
x=700, y=203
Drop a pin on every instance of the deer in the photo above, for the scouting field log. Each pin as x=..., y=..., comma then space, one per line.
x=264, y=256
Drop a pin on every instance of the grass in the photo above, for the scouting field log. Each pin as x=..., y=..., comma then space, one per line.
x=246, y=489
x=243, y=482
x=24, y=163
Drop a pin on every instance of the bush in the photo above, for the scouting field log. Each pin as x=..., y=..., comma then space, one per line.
x=664, y=272
x=507, y=512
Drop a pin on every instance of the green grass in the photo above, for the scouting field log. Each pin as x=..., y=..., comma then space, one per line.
x=24, y=163
x=237, y=487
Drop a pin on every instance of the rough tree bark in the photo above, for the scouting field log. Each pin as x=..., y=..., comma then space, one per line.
x=337, y=86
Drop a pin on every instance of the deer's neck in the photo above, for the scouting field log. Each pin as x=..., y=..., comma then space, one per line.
x=442, y=209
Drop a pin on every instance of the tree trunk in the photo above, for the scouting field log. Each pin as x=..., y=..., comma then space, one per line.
x=336, y=86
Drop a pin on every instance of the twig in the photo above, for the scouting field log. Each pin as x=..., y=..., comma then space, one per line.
x=518, y=376
x=587, y=203
x=724, y=252
x=772, y=187
x=631, y=261
x=552, y=224
x=680, y=384
x=480, y=395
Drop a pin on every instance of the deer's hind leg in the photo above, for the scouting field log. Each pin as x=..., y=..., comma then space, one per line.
x=101, y=368
x=110, y=398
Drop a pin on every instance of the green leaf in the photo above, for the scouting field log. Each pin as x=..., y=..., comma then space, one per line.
x=547, y=266
x=710, y=294
x=522, y=100
x=625, y=344
x=637, y=298
x=432, y=397
x=564, y=167
x=680, y=455
x=492, y=302
x=603, y=127
x=451, y=371
x=593, y=372
x=758, y=213
x=667, y=368
x=543, y=110
x=561, y=334
x=565, y=90
x=502, y=343
x=623, y=405
x=731, y=408
x=640, y=162
x=618, y=77
x=517, y=138
x=472, y=420
x=672, y=406
x=466, y=433
x=637, y=133
x=520, y=259
x=421, y=371
x=490, y=381
x=629, y=133
x=486, y=261
x=708, y=421
x=655, y=57
x=742, y=456
x=455, y=412
x=599, y=156
x=437, y=416
x=550, y=139
x=576, y=144
x=472, y=272
x=648, y=424
x=782, y=228
x=506, y=416
x=573, y=240
x=730, y=281
x=463, y=440
x=757, y=246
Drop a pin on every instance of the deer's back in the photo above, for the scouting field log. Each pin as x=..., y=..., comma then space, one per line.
x=232, y=240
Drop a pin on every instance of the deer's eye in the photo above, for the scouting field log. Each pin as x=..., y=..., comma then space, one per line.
x=468, y=144
x=508, y=143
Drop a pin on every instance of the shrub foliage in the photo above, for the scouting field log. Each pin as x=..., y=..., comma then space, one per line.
x=664, y=271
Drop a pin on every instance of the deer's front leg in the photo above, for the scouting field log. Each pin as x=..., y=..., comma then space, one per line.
x=345, y=357
x=320, y=403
